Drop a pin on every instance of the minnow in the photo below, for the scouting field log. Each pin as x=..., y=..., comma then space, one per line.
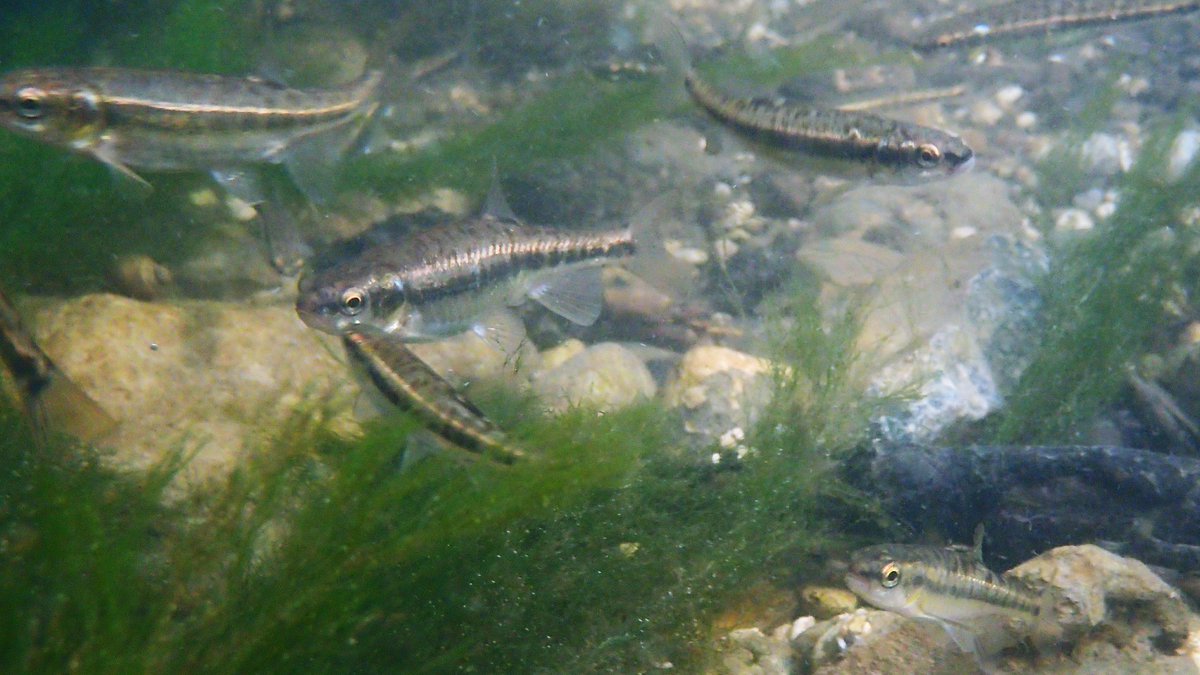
x=454, y=277
x=412, y=385
x=980, y=610
x=873, y=140
x=164, y=121
x=51, y=401
x=851, y=137
x=1022, y=17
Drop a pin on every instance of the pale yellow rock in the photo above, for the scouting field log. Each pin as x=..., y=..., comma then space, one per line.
x=560, y=353
x=206, y=375
x=605, y=376
x=700, y=363
x=824, y=602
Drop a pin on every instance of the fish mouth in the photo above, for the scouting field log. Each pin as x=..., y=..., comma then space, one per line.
x=858, y=584
x=964, y=166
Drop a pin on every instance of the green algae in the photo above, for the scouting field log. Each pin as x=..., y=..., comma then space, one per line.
x=609, y=551
x=1105, y=298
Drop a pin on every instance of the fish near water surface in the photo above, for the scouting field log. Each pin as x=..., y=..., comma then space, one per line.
x=851, y=141
x=981, y=611
x=1023, y=17
x=168, y=121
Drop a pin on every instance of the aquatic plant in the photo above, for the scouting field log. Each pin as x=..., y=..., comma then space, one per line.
x=1104, y=298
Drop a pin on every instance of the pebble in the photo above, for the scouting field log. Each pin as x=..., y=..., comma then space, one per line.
x=605, y=376
x=1074, y=220
x=986, y=113
x=140, y=277
x=824, y=602
x=1026, y=120
x=1009, y=95
x=690, y=255
x=1106, y=154
x=1183, y=152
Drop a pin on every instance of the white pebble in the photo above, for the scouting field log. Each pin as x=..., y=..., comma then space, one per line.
x=1106, y=154
x=687, y=254
x=725, y=249
x=963, y=232
x=241, y=209
x=1183, y=152
x=1074, y=220
x=800, y=625
x=722, y=189
x=1009, y=95
x=203, y=198
x=986, y=113
x=1026, y=120
x=1105, y=210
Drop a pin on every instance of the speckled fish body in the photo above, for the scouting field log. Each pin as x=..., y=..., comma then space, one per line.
x=440, y=280
x=412, y=385
x=162, y=120
x=876, y=142
x=950, y=586
x=1030, y=16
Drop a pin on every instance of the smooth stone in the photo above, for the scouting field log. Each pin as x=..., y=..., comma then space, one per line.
x=605, y=377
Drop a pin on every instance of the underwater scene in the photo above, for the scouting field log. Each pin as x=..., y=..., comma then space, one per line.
x=528, y=336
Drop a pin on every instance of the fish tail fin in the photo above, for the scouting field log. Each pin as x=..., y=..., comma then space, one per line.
x=312, y=161
x=61, y=406
x=664, y=31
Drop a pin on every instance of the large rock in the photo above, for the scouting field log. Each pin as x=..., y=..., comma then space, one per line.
x=207, y=375
x=605, y=376
x=719, y=391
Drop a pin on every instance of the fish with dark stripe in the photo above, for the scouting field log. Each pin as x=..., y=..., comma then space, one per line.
x=980, y=610
x=412, y=385
x=1023, y=17
x=448, y=279
x=871, y=140
x=160, y=120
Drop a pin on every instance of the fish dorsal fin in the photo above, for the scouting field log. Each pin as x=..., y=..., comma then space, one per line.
x=241, y=182
x=501, y=329
x=496, y=205
x=311, y=160
x=575, y=294
x=977, y=544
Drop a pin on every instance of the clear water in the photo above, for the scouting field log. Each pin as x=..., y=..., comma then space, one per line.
x=797, y=362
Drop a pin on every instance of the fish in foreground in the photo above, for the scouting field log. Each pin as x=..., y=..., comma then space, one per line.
x=448, y=279
x=412, y=385
x=1023, y=17
x=981, y=611
x=51, y=401
x=879, y=144
x=162, y=121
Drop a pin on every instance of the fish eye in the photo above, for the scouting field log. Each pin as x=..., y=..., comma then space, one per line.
x=29, y=102
x=928, y=155
x=889, y=576
x=353, y=301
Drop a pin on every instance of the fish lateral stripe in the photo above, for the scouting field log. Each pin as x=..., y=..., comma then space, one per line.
x=215, y=104
x=1022, y=17
x=411, y=385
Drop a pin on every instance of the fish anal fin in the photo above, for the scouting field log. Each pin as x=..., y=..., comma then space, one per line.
x=576, y=294
x=241, y=182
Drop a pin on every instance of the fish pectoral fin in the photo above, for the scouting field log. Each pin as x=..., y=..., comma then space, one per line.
x=106, y=154
x=61, y=406
x=576, y=294
x=502, y=330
